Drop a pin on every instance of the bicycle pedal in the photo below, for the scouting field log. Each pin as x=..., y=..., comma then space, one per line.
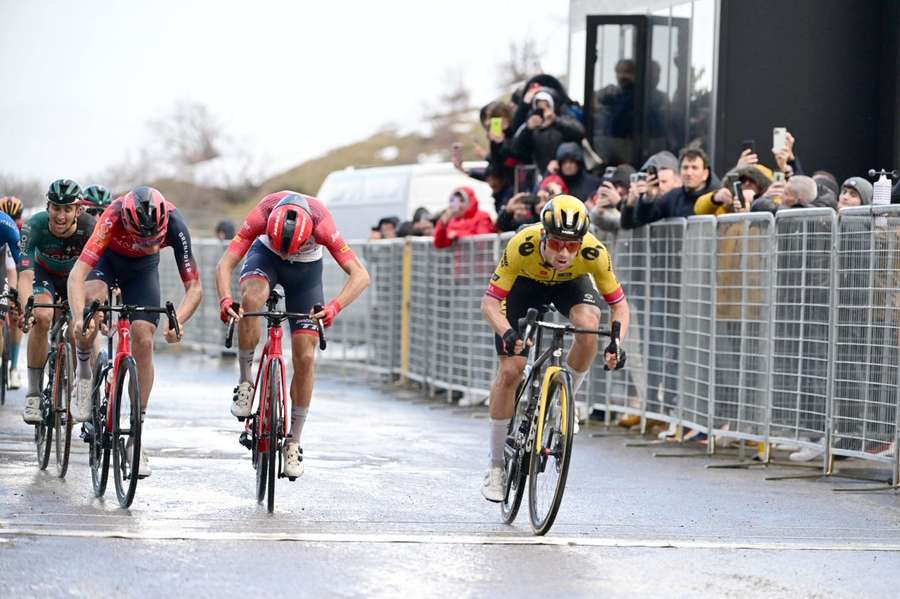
x=245, y=440
x=292, y=478
x=241, y=418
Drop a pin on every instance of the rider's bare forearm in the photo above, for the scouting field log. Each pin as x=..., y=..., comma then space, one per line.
x=622, y=313
x=193, y=294
x=492, y=311
x=26, y=286
x=224, y=269
x=356, y=284
x=77, y=277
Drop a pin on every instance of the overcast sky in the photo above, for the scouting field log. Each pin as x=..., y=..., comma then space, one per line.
x=79, y=79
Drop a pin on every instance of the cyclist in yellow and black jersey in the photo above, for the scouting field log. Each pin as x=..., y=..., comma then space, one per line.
x=556, y=261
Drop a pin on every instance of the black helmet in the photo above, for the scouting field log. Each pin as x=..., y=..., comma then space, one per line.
x=64, y=191
x=97, y=196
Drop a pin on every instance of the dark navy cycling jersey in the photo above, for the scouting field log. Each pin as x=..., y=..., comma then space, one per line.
x=9, y=235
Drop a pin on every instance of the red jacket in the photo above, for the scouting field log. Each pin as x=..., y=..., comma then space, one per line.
x=473, y=222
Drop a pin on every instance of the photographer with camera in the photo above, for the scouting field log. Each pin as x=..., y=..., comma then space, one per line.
x=524, y=208
x=538, y=138
x=462, y=218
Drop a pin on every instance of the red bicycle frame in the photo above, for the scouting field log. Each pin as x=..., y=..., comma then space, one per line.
x=271, y=351
x=123, y=351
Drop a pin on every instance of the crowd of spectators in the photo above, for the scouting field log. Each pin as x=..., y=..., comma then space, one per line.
x=536, y=148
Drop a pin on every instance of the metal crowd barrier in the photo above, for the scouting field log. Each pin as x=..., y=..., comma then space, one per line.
x=777, y=330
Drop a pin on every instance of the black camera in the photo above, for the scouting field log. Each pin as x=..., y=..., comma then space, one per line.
x=651, y=170
x=536, y=112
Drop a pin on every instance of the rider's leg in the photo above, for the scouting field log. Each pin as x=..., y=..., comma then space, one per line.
x=254, y=293
x=303, y=350
x=503, y=392
x=93, y=290
x=584, y=349
x=142, y=333
x=38, y=344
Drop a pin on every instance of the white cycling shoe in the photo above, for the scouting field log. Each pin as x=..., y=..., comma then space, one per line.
x=81, y=407
x=15, y=380
x=292, y=458
x=242, y=400
x=32, y=412
x=494, y=486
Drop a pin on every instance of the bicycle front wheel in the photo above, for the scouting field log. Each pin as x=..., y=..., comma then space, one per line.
x=551, y=452
x=126, y=439
x=516, y=459
x=276, y=423
x=4, y=373
x=99, y=456
x=43, y=431
x=62, y=414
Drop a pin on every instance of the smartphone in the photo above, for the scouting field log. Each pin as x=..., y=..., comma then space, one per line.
x=496, y=126
x=456, y=152
x=748, y=144
x=779, y=177
x=635, y=177
x=736, y=191
x=779, y=138
x=525, y=178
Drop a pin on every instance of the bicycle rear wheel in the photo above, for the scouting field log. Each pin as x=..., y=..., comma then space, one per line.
x=516, y=460
x=261, y=462
x=99, y=449
x=62, y=402
x=551, y=453
x=127, y=431
x=276, y=423
x=4, y=372
x=43, y=430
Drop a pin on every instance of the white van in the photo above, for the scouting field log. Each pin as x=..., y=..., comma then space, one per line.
x=358, y=198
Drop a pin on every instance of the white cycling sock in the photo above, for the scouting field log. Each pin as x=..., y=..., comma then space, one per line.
x=298, y=418
x=577, y=379
x=84, y=363
x=499, y=428
x=245, y=361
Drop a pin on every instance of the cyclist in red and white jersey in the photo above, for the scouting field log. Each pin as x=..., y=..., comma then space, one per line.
x=283, y=238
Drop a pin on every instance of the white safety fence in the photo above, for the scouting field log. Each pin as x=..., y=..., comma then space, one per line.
x=774, y=330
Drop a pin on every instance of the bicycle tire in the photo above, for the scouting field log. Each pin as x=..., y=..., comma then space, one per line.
x=125, y=489
x=4, y=363
x=99, y=449
x=62, y=406
x=43, y=430
x=559, y=385
x=275, y=424
x=260, y=446
x=517, y=467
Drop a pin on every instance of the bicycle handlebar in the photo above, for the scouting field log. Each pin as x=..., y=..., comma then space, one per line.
x=168, y=310
x=30, y=305
x=530, y=323
x=229, y=332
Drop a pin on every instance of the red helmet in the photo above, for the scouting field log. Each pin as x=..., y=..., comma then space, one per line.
x=144, y=212
x=289, y=227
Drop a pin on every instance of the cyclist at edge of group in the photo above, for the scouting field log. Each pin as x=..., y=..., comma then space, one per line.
x=282, y=238
x=13, y=206
x=51, y=242
x=124, y=251
x=556, y=260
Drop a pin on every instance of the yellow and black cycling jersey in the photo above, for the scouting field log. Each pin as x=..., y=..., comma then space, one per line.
x=522, y=258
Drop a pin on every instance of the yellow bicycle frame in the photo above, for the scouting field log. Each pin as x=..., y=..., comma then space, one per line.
x=545, y=391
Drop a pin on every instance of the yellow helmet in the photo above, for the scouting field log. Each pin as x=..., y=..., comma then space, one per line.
x=12, y=206
x=565, y=216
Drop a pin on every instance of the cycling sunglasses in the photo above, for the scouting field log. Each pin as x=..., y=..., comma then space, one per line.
x=557, y=245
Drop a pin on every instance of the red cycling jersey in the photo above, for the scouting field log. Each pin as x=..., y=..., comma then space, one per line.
x=325, y=232
x=110, y=233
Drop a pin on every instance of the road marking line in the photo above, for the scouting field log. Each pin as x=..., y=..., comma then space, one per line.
x=445, y=539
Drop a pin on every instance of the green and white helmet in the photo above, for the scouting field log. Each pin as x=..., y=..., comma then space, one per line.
x=64, y=191
x=97, y=196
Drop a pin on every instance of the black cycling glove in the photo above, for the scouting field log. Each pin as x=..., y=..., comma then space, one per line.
x=620, y=364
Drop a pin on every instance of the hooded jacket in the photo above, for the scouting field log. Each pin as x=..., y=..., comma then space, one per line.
x=539, y=145
x=473, y=222
x=677, y=202
x=582, y=184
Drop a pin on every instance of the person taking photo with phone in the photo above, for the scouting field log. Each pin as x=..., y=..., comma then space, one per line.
x=461, y=218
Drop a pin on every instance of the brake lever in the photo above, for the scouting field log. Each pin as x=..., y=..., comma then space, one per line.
x=173, y=319
x=29, y=308
x=88, y=316
x=316, y=309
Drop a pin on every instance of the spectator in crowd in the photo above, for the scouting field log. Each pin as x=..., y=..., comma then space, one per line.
x=225, y=230
x=523, y=97
x=855, y=191
x=386, y=228
x=500, y=157
x=524, y=208
x=662, y=174
x=785, y=159
x=697, y=179
x=799, y=192
x=421, y=225
x=603, y=209
x=569, y=165
x=828, y=189
x=544, y=130
x=755, y=180
x=462, y=218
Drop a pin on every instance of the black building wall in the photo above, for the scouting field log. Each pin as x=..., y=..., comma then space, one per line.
x=828, y=70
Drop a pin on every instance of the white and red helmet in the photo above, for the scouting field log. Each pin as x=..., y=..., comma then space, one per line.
x=144, y=212
x=289, y=227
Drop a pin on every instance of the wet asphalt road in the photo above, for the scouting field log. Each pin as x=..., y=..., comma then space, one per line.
x=390, y=505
